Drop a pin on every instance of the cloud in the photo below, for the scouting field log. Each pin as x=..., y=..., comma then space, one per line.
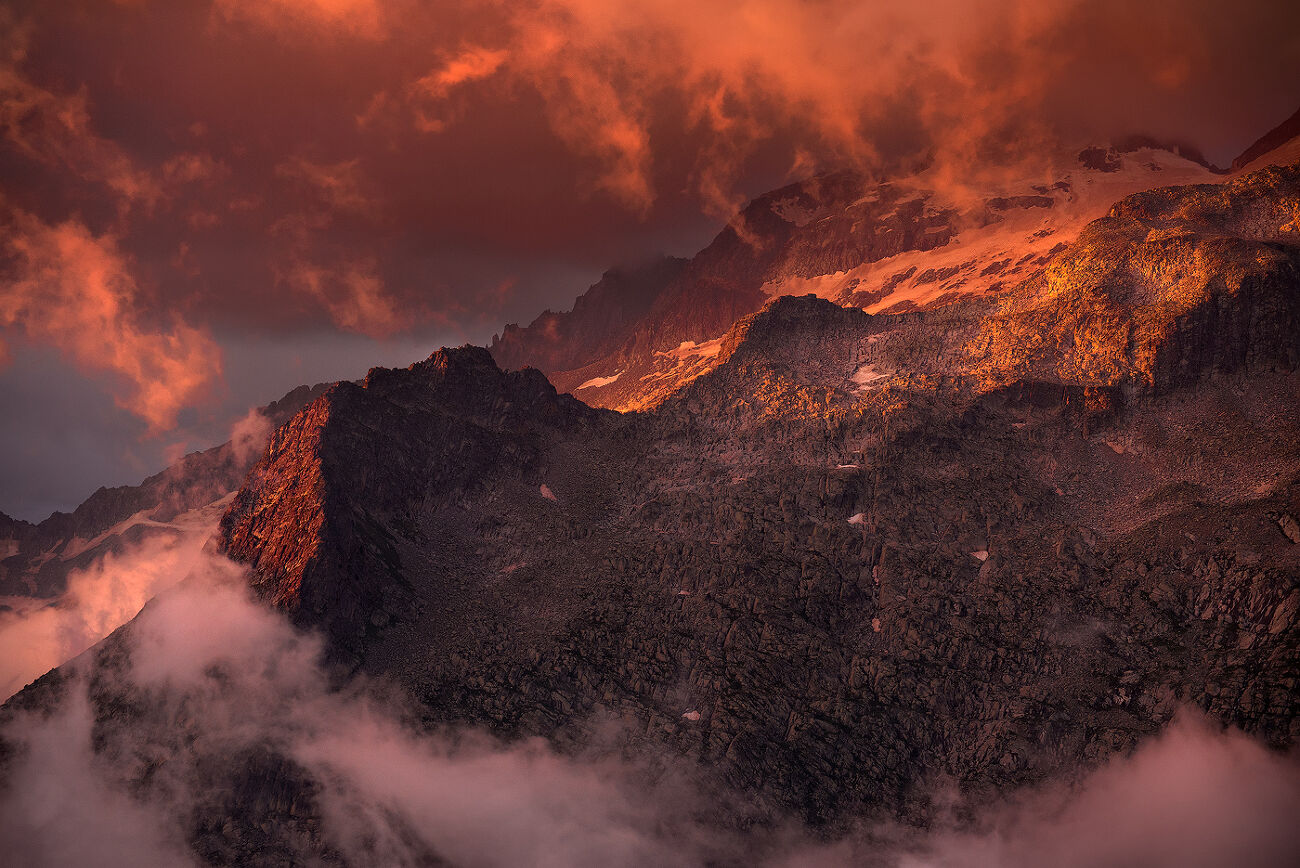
x=60, y=809
x=75, y=290
x=192, y=168
x=37, y=635
x=880, y=85
x=249, y=682
x=1193, y=797
x=249, y=435
x=350, y=287
x=471, y=64
x=352, y=292
x=430, y=92
x=41, y=635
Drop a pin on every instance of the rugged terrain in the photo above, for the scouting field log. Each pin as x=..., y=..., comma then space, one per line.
x=988, y=532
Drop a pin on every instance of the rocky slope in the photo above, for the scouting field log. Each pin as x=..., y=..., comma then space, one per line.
x=990, y=542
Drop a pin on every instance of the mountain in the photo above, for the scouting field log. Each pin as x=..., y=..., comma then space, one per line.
x=37, y=558
x=990, y=523
x=914, y=243
x=870, y=517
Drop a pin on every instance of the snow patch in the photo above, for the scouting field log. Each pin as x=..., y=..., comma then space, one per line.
x=76, y=545
x=597, y=382
x=858, y=518
x=548, y=494
x=864, y=376
x=827, y=286
x=690, y=349
x=980, y=554
x=691, y=715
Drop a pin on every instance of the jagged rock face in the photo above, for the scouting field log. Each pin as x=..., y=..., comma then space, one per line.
x=835, y=663
x=35, y=560
x=829, y=223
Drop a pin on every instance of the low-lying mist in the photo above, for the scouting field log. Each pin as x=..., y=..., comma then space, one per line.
x=37, y=635
x=178, y=739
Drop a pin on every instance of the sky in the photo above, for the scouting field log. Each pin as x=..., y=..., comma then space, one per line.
x=205, y=204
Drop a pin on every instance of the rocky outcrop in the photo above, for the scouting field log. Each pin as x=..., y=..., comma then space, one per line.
x=829, y=223
x=851, y=239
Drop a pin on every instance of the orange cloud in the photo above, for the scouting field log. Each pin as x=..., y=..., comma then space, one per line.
x=431, y=91
x=193, y=168
x=100, y=597
x=75, y=291
x=470, y=65
x=352, y=293
x=883, y=86
x=737, y=76
x=976, y=83
x=349, y=288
